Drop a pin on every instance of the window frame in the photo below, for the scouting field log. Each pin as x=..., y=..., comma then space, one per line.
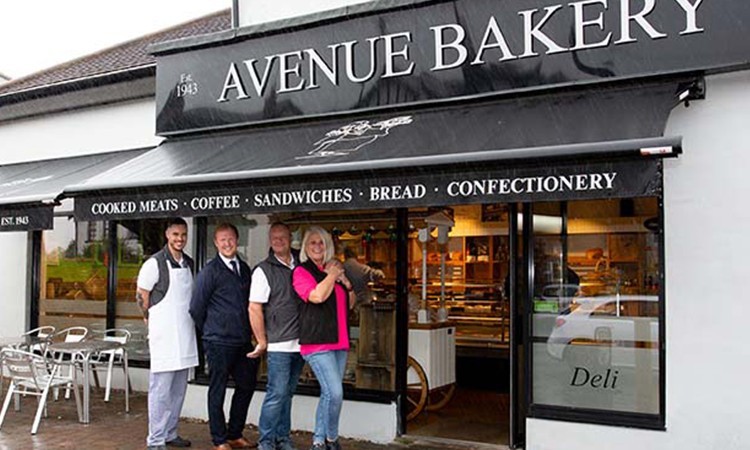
x=585, y=415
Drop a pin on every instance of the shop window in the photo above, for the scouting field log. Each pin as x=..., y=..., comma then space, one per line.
x=252, y=245
x=368, y=249
x=596, y=310
x=74, y=260
x=137, y=241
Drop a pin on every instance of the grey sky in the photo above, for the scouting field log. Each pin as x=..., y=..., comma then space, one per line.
x=35, y=35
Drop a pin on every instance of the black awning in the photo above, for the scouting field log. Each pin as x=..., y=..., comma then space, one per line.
x=29, y=191
x=579, y=126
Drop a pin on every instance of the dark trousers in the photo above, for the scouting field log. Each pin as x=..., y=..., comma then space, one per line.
x=223, y=362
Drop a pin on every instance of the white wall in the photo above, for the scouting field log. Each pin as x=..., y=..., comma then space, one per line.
x=253, y=12
x=13, y=275
x=707, y=214
x=92, y=130
x=360, y=420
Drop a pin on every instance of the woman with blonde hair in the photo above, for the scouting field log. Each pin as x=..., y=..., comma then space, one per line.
x=326, y=294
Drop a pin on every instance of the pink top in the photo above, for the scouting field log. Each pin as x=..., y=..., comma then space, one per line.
x=304, y=283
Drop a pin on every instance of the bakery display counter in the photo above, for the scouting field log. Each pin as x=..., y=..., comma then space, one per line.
x=482, y=326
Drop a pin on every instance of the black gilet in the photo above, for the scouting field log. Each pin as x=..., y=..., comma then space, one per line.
x=318, y=322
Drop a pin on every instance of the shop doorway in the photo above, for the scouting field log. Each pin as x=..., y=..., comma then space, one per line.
x=459, y=370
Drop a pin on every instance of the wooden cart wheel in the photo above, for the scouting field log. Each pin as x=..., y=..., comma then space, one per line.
x=416, y=388
x=440, y=397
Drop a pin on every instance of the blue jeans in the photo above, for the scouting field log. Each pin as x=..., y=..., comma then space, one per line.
x=275, y=415
x=329, y=369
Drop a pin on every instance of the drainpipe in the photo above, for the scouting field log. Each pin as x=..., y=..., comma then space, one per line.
x=235, y=14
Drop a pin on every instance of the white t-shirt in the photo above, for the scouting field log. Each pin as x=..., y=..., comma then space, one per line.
x=148, y=276
x=260, y=290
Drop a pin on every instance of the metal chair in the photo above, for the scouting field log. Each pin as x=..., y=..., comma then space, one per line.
x=30, y=374
x=110, y=358
x=44, y=332
x=70, y=334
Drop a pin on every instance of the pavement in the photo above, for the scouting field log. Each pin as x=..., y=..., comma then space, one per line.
x=113, y=429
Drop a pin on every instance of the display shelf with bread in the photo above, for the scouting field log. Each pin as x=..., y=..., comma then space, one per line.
x=468, y=259
x=624, y=265
x=476, y=269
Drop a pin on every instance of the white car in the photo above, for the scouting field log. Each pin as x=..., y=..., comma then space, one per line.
x=606, y=330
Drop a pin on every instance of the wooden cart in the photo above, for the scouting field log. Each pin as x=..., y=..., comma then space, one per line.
x=431, y=367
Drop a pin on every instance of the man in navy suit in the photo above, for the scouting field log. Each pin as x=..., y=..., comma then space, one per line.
x=219, y=309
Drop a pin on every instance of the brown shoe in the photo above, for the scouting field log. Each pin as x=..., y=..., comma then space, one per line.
x=241, y=443
x=223, y=446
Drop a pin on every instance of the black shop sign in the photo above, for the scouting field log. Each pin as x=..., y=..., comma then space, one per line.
x=635, y=178
x=28, y=218
x=440, y=50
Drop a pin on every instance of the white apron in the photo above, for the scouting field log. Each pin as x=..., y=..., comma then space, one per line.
x=171, y=331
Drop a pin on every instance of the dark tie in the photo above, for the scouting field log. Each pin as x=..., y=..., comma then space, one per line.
x=235, y=269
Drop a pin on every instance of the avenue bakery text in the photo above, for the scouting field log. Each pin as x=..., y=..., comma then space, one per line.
x=522, y=34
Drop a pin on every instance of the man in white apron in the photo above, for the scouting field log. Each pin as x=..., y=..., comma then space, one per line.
x=165, y=285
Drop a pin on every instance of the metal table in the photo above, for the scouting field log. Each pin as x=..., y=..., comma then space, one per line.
x=82, y=352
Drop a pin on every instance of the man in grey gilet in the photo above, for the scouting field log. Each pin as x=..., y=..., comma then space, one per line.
x=165, y=284
x=274, y=318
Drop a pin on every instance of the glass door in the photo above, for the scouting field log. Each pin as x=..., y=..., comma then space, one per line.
x=458, y=371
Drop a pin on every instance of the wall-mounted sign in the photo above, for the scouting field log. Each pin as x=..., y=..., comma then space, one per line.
x=26, y=218
x=635, y=178
x=439, y=50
